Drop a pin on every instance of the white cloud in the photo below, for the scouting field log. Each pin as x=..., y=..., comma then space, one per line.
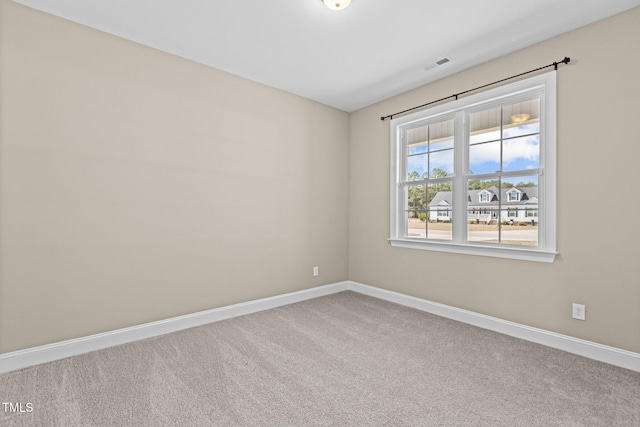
x=514, y=151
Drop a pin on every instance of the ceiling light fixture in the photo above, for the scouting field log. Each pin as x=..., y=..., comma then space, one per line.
x=337, y=4
x=516, y=119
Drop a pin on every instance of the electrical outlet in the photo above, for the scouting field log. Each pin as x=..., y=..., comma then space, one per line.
x=579, y=311
x=315, y=271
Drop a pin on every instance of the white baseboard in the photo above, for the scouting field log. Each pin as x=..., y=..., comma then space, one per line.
x=611, y=355
x=47, y=353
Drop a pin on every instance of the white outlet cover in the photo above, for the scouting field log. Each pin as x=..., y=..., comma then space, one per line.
x=579, y=311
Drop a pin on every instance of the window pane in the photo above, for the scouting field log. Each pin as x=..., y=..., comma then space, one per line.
x=520, y=191
x=521, y=118
x=484, y=126
x=524, y=129
x=521, y=153
x=441, y=144
x=441, y=149
x=441, y=130
x=416, y=224
x=415, y=206
x=519, y=230
x=429, y=151
x=440, y=213
x=417, y=140
x=416, y=198
x=418, y=148
x=521, y=200
x=417, y=167
x=486, y=232
x=484, y=158
x=503, y=210
x=505, y=138
x=441, y=164
x=483, y=208
x=484, y=141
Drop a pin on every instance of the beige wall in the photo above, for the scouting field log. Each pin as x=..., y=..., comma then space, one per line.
x=598, y=152
x=138, y=186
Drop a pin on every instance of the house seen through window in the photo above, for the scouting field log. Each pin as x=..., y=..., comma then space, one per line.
x=478, y=175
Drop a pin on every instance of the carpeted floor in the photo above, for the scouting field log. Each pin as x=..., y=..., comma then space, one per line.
x=340, y=360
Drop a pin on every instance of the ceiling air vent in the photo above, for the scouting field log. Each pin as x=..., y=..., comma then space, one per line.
x=437, y=63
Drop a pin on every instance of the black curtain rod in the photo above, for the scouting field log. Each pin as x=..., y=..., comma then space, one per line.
x=554, y=64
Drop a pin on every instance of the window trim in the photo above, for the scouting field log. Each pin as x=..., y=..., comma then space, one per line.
x=543, y=85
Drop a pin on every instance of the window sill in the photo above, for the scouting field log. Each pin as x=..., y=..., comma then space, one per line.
x=523, y=254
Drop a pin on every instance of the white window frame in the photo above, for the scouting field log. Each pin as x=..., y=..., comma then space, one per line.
x=543, y=86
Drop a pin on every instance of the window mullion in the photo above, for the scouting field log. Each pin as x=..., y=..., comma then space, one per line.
x=460, y=136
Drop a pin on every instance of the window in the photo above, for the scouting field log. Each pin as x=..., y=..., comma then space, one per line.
x=513, y=196
x=443, y=213
x=462, y=171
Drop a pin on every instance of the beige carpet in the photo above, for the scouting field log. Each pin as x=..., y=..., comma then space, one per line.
x=341, y=360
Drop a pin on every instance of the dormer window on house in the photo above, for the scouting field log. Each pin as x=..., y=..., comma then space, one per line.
x=513, y=195
x=484, y=196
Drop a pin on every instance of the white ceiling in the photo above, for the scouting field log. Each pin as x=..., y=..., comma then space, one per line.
x=372, y=50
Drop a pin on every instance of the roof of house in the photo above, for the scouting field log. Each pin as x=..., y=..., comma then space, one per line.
x=529, y=196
